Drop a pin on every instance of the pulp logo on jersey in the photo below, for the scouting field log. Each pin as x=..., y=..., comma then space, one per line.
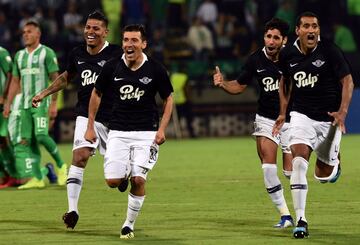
x=303, y=81
x=145, y=80
x=318, y=63
x=127, y=92
x=89, y=77
x=270, y=84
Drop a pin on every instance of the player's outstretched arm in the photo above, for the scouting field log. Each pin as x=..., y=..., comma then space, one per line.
x=232, y=87
x=14, y=87
x=53, y=105
x=284, y=97
x=94, y=104
x=168, y=106
x=59, y=83
x=340, y=115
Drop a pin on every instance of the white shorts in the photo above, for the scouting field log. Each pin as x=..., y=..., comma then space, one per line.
x=133, y=152
x=263, y=127
x=322, y=137
x=80, y=129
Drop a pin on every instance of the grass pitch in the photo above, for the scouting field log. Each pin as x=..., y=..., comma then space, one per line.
x=203, y=191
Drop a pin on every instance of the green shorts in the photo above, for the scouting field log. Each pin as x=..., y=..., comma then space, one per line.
x=24, y=160
x=40, y=119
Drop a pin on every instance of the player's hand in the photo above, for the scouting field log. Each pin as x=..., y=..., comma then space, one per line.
x=90, y=135
x=278, y=125
x=36, y=100
x=160, y=137
x=6, y=110
x=339, y=120
x=218, y=79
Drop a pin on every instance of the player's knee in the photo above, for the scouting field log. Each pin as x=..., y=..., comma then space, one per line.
x=299, y=164
x=113, y=183
x=137, y=181
x=41, y=139
x=23, y=142
x=80, y=158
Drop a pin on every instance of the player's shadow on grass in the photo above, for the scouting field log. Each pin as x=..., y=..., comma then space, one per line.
x=103, y=234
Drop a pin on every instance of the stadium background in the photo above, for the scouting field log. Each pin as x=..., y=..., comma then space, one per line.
x=235, y=31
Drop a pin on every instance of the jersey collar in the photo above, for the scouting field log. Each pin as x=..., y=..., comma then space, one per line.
x=103, y=47
x=296, y=44
x=145, y=58
x=27, y=51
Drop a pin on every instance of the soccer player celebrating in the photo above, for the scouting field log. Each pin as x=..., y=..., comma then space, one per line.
x=263, y=65
x=33, y=66
x=135, y=133
x=84, y=65
x=317, y=76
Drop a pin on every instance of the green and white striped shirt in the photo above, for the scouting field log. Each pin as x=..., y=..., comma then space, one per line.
x=34, y=69
x=5, y=67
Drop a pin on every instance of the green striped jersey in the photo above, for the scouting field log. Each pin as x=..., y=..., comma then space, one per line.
x=34, y=69
x=5, y=67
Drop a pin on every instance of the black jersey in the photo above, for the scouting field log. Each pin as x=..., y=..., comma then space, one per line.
x=315, y=78
x=134, y=107
x=86, y=68
x=267, y=74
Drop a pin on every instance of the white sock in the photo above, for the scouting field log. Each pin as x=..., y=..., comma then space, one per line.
x=287, y=173
x=134, y=205
x=74, y=185
x=299, y=186
x=274, y=188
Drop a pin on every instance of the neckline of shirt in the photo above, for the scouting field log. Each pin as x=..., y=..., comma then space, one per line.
x=145, y=58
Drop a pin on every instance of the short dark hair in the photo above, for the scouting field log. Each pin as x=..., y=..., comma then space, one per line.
x=135, y=28
x=306, y=14
x=32, y=22
x=279, y=24
x=97, y=15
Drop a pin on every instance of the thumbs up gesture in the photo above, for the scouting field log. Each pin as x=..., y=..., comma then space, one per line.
x=218, y=77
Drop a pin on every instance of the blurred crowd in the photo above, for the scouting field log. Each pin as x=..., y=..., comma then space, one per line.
x=194, y=30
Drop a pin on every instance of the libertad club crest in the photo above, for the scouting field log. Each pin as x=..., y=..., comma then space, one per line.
x=318, y=63
x=145, y=80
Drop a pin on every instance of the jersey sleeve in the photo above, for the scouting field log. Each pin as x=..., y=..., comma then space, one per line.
x=282, y=62
x=15, y=67
x=51, y=61
x=70, y=64
x=247, y=72
x=163, y=81
x=5, y=61
x=105, y=76
x=338, y=61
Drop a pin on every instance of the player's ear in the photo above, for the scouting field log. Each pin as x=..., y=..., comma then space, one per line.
x=106, y=32
x=144, y=44
x=285, y=40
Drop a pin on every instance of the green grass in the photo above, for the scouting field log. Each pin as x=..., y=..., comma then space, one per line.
x=203, y=191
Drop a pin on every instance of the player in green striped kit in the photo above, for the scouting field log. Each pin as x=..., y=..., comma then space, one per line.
x=33, y=67
x=27, y=152
x=7, y=169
